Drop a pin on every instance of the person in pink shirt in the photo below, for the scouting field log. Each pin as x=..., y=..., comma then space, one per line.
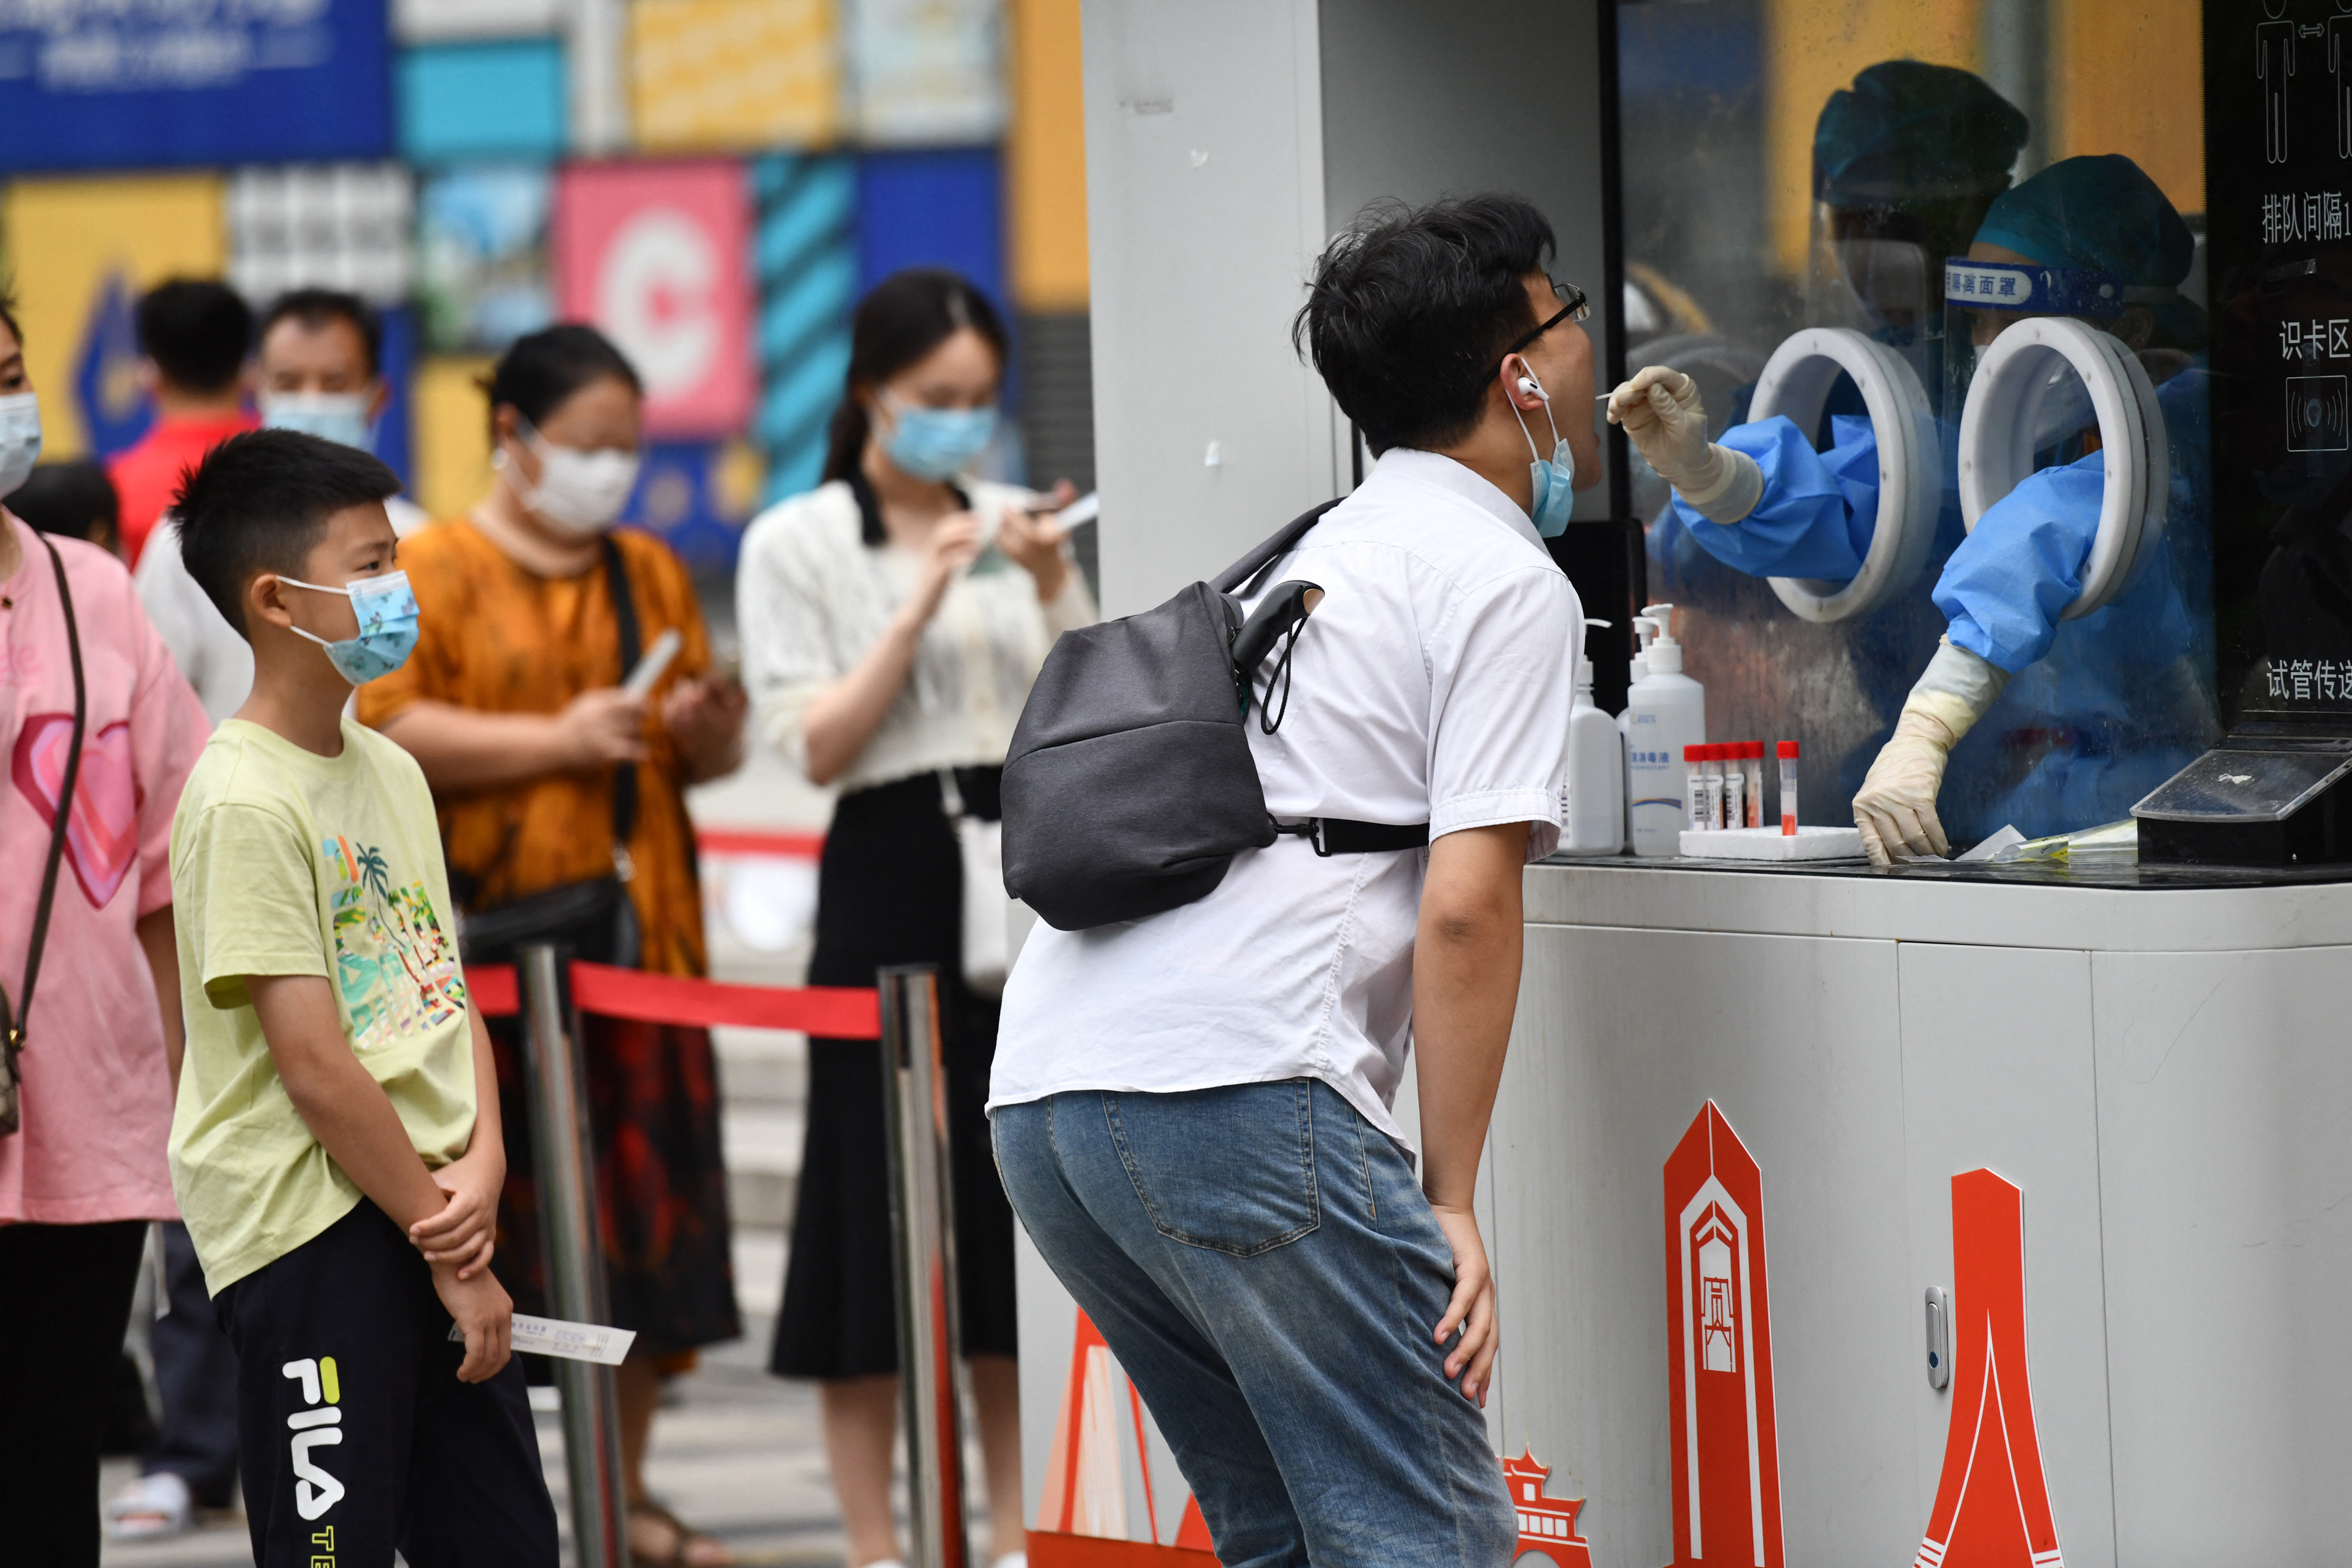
x=83, y=1171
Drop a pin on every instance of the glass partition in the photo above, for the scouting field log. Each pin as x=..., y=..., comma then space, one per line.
x=1996, y=207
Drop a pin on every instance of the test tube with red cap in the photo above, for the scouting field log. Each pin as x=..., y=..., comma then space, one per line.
x=1751, y=764
x=1694, y=782
x=1787, y=750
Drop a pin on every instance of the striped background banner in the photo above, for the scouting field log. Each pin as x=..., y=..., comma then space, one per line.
x=805, y=259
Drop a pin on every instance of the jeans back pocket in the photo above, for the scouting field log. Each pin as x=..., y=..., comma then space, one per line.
x=1230, y=1170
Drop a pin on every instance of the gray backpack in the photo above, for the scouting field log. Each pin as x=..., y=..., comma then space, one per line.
x=1129, y=786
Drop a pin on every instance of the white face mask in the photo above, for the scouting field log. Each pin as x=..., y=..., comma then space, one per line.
x=20, y=439
x=578, y=491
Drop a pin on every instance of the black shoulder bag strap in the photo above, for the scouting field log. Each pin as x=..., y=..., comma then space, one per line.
x=1329, y=835
x=13, y=1014
x=624, y=776
x=1243, y=577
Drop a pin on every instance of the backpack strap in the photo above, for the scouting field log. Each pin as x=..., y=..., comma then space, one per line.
x=13, y=1015
x=1255, y=564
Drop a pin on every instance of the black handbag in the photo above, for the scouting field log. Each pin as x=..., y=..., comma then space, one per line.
x=1129, y=786
x=594, y=919
x=14, y=1012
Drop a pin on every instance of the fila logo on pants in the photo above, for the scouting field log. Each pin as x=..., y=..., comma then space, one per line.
x=319, y=1427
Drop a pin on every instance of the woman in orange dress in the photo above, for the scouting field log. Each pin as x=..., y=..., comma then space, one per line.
x=512, y=703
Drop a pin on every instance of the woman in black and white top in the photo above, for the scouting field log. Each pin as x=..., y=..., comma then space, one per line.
x=892, y=620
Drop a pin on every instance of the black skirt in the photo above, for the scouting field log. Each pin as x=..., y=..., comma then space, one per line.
x=890, y=891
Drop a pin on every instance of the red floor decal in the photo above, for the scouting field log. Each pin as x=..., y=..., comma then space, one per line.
x=1992, y=1506
x=1082, y=1517
x=1719, y=1354
x=1547, y=1524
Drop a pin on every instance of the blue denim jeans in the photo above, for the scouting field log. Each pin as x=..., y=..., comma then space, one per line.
x=1264, y=1265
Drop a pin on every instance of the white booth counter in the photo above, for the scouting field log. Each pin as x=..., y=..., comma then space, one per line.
x=2107, y=1113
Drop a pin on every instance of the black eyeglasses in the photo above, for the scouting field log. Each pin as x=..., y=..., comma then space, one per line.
x=1573, y=307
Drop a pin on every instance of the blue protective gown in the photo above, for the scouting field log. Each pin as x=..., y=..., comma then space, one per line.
x=2100, y=710
x=1818, y=510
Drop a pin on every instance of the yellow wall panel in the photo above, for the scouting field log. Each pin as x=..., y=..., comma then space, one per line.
x=1812, y=48
x=2130, y=80
x=1047, y=155
x=734, y=74
x=452, y=433
x=64, y=238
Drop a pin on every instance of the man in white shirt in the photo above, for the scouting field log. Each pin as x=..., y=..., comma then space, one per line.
x=317, y=371
x=1192, y=1111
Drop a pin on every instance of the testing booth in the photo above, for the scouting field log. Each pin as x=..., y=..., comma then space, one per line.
x=1966, y=1211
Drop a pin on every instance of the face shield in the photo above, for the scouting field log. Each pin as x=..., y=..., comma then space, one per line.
x=1982, y=299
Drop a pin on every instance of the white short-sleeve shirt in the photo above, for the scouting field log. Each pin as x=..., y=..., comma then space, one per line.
x=1433, y=683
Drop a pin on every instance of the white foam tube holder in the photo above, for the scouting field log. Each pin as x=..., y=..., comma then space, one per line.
x=1996, y=432
x=1796, y=382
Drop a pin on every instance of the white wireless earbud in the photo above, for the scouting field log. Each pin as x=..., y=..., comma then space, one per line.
x=1528, y=385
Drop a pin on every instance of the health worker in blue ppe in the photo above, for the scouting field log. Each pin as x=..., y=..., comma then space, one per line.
x=2126, y=685
x=1906, y=162
x=2121, y=705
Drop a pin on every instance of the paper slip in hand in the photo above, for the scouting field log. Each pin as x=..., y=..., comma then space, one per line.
x=572, y=1341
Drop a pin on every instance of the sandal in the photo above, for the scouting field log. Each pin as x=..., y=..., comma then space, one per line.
x=689, y=1547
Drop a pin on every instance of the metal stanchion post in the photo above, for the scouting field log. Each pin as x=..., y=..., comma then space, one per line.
x=922, y=1226
x=575, y=1264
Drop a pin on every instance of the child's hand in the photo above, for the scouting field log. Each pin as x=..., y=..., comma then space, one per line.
x=484, y=1314
x=462, y=1234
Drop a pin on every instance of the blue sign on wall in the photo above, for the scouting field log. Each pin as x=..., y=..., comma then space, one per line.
x=93, y=84
x=931, y=208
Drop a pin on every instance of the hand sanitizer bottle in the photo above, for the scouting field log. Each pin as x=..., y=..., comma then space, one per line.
x=1594, y=821
x=1636, y=668
x=1665, y=712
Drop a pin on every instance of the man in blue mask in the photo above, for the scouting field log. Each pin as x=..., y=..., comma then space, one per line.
x=319, y=369
x=1264, y=1030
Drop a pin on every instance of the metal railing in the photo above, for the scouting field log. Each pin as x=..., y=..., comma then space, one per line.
x=575, y=1260
x=922, y=1223
x=922, y=1230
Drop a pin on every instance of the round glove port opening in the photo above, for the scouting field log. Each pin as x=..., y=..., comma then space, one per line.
x=1796, y=383
x=2021, y=371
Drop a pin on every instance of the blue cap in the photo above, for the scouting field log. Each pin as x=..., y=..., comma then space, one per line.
x=1910, y=131
x=2100, y=213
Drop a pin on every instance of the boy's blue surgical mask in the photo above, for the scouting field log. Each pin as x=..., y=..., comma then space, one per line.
x=935, y=444
x=339, y=417
x=1554, y=495
x=386, y=609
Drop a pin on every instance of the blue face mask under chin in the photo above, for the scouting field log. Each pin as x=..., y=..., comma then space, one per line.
x=386, y=609
x=935, y=444
x=1554, y=481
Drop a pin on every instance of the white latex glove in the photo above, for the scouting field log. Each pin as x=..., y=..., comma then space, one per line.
x=1662, y=416
x=1895, y=807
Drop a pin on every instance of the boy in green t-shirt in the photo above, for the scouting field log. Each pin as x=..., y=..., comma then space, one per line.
x=336, y=1145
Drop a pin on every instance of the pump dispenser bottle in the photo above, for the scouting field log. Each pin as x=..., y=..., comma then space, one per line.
x=1665, y=712
x=1636, y=668
x=1594, y=823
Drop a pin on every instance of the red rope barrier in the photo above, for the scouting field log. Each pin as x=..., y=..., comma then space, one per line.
x=835, y=1012
x=755, y=842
